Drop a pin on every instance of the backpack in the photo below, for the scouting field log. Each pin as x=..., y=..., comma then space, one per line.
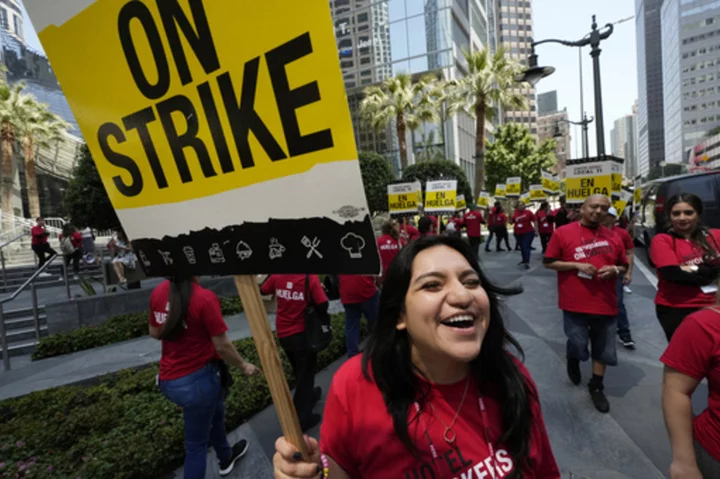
x=66, y=246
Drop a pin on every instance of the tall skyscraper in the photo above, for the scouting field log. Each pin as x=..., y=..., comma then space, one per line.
x=691, y=57
x=547, y=103
x=624, y=143
x=379, y=39
x=515, y=36
x=650, y=122
x=554, y=125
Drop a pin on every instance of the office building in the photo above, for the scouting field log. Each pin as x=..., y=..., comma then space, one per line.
x=377, y=40
x=547, y=103
x=691, y=57
x=11, y=19
x=650, y=118
x=555, y=126
x=623, y=139
x=515, y=36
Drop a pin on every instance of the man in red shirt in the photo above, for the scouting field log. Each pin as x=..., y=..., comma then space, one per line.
x=40, y=243
x=623, y=323
x=389, y=244
x=491, y=226
x=545, y=223
x=473, y=219
x=588, y=258
x=407, y=231
x=359, y=296
x=524, y=221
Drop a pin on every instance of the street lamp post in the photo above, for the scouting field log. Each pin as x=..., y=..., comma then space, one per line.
x=534, y=73
x=584, y=124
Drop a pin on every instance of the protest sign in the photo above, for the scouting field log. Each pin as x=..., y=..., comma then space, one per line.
x=537, y=193
x=562, y=186
x=616, y=177
x=637, y=196
x=500, y=191
x=525, y=198
x=223, y=138
x=549, y=183
x=513, y=187
x=621, y=202
x=587, y=178
x=403, y=199
x=484, y=199
x=440, y=197
x=460, y=203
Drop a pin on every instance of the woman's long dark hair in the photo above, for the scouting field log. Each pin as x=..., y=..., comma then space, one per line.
x=700, y=234
x=388, y=355
x=178, y=300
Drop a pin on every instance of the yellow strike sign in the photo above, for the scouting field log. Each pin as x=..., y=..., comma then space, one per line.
x=537, y=193
x=440, y=196
x=586, y=179
x=637, y=196
x=513, y=187
x=460, y=203
x=179, y=100
x=403, y=198
x=500, y=190
x=484, y=199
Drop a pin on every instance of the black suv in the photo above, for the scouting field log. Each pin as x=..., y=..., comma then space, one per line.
x=652, y=218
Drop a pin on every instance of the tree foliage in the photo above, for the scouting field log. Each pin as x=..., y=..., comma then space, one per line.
x=516, y=153
x=436, y=170
x=377, y=174
x=86, y=200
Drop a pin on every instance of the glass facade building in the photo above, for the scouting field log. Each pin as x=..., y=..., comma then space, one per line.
x=379, y=39
x=691, y=56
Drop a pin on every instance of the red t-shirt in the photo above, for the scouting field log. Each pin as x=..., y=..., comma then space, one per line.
x=580, y=244
x=289, y=290
x=666, y=250
x=357, y=432
x=356, y=289
x=473, y=220
x=545, y=225
x=389, y=248
x=500, y=219
x=625, y=237
x=409, y=233
x=39, y=235
x=491, y=217
x=695, y=351
x=193, y=349
x=523, y=221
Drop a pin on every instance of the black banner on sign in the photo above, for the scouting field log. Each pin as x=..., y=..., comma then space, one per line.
x=309, y=245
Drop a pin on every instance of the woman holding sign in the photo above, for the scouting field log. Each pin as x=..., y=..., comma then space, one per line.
x=687, y=258
x=187, y=319
x=429, y=394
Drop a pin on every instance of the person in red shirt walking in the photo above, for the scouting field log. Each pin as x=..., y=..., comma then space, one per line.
x=359, y=296
x=623, y=323
x=187, y=319
x=429, y=395
x=294, y=293
x=545, y=224
x=524, y=221
x=407, y=231
x=491, y=226
x=687, y=258
x=473, y=219
x=501, y=233
x=71, y=246
x=588, y=258
x=389, y=244
x=40, y=245
x=693, y=355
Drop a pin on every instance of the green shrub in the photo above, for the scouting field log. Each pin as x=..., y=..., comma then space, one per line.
x=114, y=330
x=122, y=427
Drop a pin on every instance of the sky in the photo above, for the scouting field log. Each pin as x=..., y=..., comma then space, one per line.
x=568, y=20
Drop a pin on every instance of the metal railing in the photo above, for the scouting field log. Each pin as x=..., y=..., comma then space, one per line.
x=36, y=314
x=2, y=254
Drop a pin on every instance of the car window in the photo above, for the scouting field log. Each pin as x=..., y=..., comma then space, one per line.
x=703, y=187
x=648, y=206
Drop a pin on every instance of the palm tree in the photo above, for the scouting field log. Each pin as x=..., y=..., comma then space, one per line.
x=490, y=83
x=10, y=98
x=402, y=100
x=38, y=127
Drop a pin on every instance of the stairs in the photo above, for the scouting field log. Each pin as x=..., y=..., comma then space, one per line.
x=17, y=275
x=20, y=330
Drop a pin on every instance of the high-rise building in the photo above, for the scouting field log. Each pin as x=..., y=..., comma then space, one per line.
x=515, y=36
x=623, y=139
x=650, y=120
x=691, y=57
x=379, y=39
x=554, y=125
x=11, y=19
x=547, y=103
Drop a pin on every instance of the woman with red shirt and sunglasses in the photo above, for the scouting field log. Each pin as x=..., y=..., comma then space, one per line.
x=429, y=396
x=687, y=259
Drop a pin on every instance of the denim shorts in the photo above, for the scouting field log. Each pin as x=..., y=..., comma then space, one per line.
x=597, y=330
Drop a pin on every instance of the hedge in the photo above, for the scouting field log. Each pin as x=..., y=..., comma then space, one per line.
x=122, y=427
x=114, y=330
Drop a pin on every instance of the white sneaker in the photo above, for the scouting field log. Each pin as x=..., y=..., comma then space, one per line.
x=627, y=289
x=44, y=275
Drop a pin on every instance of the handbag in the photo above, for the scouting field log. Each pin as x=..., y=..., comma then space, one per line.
x=318, y=332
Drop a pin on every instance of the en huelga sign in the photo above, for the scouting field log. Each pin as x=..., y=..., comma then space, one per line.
x=513, y=187
x=220, y=131
x=460, y=203
x=403, y=199
x=440, y=197
x=484, y=199
x=587, y=178
x=500, y=190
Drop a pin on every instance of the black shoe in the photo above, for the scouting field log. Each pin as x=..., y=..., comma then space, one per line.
x=599, y=400
x=573, y=371
x=527, y=265
x=310, y=422
x=238, y=451
x=626, y=340
x=532, y=248
x=500, y=250
x=317, y=393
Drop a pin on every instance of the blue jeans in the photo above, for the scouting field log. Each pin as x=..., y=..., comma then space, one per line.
x=623, y=324
x=525, y=245
x=353, y=313
x=200, y=396
x=597, y=330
